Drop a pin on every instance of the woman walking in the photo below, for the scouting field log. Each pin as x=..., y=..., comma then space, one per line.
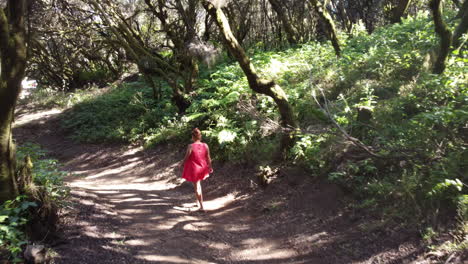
x=197, y=165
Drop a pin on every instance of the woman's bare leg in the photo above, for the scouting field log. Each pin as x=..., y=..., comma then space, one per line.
x=198, y=194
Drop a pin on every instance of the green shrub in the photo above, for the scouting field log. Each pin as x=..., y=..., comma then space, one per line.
x=125, y=113
x=14, y=216
x=98, y=75
x=46, y=173
x=417, y=123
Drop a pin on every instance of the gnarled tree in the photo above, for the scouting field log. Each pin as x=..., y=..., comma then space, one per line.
x=291, y=32
x=149, y=61
x=257, y=84
x=178, y=20
x=329, y=24
x=399, y=10
x=462, y=27
x=13, y=58
x=67, y=48
x=240, y=18
x=445, y=35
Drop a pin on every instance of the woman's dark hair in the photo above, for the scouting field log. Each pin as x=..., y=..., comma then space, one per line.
x=196, y=134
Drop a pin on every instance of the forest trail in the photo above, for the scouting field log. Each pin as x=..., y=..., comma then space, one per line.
x=129, y=205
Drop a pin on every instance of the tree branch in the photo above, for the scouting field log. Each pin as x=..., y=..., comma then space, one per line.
x=353, y=140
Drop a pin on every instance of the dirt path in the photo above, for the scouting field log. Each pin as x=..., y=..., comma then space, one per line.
x=129, y=206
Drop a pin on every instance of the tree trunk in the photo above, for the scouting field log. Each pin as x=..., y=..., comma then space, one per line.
x=288, y=27
x=192, y=75
x=445, y=35
x=345, y=19
x=329, y=25
x=266, y=87
x=399, y=11
x=462, y=27
x=463, y=10
x=13, y=55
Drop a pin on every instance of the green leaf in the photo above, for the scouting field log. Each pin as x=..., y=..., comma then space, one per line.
x=26, y=205
x=226, y=136
x=3, y=218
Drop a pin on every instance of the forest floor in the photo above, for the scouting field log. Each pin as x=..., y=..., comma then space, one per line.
x=129, y=205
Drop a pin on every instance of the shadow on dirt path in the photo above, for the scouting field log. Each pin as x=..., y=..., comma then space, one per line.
x=128, y=205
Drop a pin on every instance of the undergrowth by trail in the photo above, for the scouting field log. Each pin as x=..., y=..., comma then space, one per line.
x=26, y=216
x=416, y=121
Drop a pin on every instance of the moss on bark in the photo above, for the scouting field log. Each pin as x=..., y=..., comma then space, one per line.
x=13, y=55
x=445, y=36
x=266, y=87
x=329, y=24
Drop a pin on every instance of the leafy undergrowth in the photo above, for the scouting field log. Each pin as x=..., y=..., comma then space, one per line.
x=46, y=192
x=380, y=91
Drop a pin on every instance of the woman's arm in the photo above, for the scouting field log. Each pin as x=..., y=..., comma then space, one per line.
x=208, y=157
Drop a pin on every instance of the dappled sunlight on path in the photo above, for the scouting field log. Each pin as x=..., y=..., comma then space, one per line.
x=148, y=225
x=129, y=205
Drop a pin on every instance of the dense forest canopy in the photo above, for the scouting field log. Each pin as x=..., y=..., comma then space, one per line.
x=104, y=37
x=368, y=94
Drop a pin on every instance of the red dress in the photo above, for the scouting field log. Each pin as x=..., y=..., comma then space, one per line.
x=196, y=166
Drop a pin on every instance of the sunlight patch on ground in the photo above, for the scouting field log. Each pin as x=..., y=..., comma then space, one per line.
x=24, y=119
x=198, y=226
x=133, y=151
x=237, y=228
x=133, y=212
x=136, y=242
x=114, y=249
x=169, y=224
x=107, y=172
x=122, y=195
x=107, y=212
x=226, y=211
x=307, y=242
x=219, y=203
x=91, y=231
x=113, y=235
x=87, y=202
x=311, y=239
x=220, y=246
x=168, y=173
x=156, y=218
x=132, y=199
x=155, y=186
x=119, y=200
x=107, y=192
x=261, y=249
x=172, y=259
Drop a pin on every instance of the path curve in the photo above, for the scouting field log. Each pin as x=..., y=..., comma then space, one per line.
x=128, y=205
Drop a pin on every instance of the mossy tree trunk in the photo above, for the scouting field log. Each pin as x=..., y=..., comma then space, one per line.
x=445, y=36
x=343, y=16
x=399, y=11
x=13, y=57
x=291, y=33
x=329, y=24
x=257, y=84
x=462, y=27
x=463, y=9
